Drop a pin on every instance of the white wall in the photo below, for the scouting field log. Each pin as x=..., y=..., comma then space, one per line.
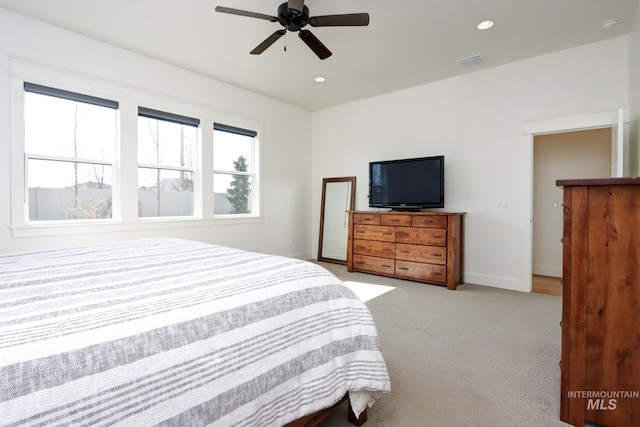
x=285, y=180
x=634, y=92
x=476, y=121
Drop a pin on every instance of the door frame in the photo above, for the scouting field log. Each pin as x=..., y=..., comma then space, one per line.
x=616, y=119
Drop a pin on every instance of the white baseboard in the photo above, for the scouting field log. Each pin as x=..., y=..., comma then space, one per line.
x=546, y=270
x=305, y=256
x=495, y=282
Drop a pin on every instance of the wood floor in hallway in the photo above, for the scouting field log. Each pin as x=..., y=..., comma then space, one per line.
x=546, y=285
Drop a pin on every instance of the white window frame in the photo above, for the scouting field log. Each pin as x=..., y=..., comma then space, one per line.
x=125, y=168
x=182, y=120
x=73, y=97
x=254, y=174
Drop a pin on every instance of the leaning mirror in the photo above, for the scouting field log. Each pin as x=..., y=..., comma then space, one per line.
x=338, y=197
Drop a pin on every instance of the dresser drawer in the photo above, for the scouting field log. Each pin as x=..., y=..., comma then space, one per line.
x=429, y=221
x=422, y=236
x=374, y=232
x=366, y=218
x=374, y=247
x=373, y=264
x=432, y=273
x=395, y=219
x=421, y=253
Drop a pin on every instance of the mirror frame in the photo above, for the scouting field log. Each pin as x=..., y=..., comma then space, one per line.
x=352, y=202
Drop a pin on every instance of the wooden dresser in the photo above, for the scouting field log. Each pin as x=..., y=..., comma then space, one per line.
x=422, y=246
x=600, y=367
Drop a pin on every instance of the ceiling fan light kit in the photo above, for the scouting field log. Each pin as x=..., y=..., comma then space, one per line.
x=294, y=16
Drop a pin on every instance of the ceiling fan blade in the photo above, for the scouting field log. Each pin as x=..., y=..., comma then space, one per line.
x=232, y=11
x=268, y=42
x=296, y=7
x=316, y=45
x=346, y=20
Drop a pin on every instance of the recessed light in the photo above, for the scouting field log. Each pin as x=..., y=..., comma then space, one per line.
x=485, y=25
x=609, y=23
x=319, y=79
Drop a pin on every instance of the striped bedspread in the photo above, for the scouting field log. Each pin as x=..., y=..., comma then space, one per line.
x=172, y=332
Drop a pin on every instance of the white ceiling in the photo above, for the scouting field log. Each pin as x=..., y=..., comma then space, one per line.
x=407, y=43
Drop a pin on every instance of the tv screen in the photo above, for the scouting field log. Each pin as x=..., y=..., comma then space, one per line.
x=407, y=184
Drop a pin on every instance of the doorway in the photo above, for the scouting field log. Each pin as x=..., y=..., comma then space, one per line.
x=564, y=155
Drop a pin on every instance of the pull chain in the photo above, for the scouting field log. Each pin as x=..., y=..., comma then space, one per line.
x=285, y=41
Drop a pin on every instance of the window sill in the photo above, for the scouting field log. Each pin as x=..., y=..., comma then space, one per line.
x=144, y=224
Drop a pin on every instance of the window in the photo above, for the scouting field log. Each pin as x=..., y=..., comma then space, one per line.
x=166, y=162
x=69, y=142
x=84, y=162
x=234, y=170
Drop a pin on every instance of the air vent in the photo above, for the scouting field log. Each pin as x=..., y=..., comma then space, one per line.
x=471, y=60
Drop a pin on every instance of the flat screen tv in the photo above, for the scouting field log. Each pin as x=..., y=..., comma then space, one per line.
x=407, y=184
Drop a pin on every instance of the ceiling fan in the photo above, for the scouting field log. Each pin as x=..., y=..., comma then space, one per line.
x=293, y=15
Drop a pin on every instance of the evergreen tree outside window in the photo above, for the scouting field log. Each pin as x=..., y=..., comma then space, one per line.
x=235, y=170
x=240, y=189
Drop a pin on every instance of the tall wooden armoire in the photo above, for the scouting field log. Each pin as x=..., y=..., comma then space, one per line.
x=600, y=367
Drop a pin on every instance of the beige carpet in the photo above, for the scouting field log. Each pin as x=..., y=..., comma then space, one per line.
x=477, y=356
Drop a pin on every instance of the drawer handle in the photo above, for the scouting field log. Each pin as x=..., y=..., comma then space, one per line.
x=404, y=252
x=360, y=247
x=401, y=234
x=403, y=268
x=435, y=236
x=436, y=255
x=387, y=250
x=395, y=220
x=386, y=233
x=385, y=265
x=360, y=262
x=437, y=274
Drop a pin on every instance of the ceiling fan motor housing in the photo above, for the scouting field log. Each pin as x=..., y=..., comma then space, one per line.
x=292, y=21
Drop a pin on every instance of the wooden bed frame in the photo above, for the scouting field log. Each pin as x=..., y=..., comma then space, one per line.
x=312, y=420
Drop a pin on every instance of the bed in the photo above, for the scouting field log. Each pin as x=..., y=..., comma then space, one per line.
x=171, y=332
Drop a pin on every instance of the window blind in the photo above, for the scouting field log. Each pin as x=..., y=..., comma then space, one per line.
x=72, y=96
